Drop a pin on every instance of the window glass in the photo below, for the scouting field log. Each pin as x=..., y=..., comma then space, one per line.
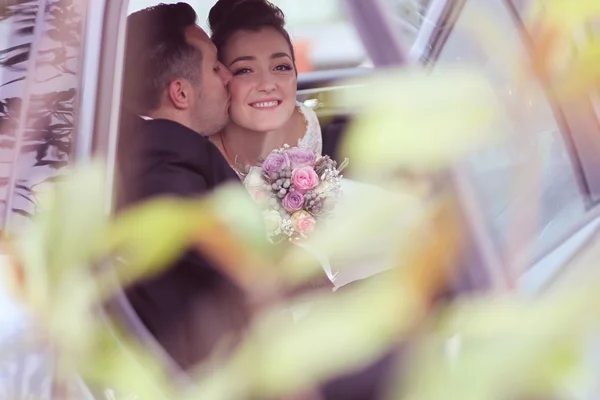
x=323, y=36
x=40, y=56
x=40, y=85
x=408, y=16
x=561, y=204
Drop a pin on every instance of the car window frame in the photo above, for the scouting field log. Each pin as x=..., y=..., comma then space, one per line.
x=578, y=127
x=482, y=267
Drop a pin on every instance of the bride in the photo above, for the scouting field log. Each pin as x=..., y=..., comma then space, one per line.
x=264, y=115
x=252, y=42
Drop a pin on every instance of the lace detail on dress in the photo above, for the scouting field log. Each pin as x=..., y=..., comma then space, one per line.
x=312, y=138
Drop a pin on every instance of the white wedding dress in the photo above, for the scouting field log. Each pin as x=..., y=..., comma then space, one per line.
x=368, y=256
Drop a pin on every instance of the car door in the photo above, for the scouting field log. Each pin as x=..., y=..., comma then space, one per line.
x=45, y=104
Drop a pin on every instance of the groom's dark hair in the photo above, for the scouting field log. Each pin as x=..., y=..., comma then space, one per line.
x=156, y=53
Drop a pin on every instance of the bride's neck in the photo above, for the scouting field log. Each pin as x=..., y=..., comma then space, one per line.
x=246, y=146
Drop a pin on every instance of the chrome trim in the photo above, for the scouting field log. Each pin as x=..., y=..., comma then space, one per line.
x=88, y=88
x=308, y=92
x=310, y=80
x=108, y=103
x=545, y=271
x=437, y=41
x=38, y=32
x=422, y=43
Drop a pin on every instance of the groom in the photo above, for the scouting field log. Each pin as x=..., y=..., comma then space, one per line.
x=175, y=96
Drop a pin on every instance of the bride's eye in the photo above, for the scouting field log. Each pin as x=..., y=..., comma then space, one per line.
x=242, y=71
x=283, y=67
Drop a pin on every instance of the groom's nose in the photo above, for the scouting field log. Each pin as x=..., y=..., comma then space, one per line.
x=225, y=74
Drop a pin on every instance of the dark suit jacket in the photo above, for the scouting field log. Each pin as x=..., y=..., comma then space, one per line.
x=191, y=306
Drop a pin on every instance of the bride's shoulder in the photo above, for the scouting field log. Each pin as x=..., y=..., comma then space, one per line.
x=312, y=136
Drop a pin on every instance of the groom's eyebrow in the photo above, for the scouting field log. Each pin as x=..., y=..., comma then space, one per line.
x=251, y=58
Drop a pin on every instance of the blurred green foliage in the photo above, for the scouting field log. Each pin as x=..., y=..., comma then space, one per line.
x=491, y=346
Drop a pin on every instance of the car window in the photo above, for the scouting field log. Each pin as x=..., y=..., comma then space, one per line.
x=40, y=59
x=323, y=36
x=561, y=202
x=408, y=16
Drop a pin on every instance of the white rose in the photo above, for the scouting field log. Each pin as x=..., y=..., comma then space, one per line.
x=254, y=178
x=272, y=222
x=323, y=187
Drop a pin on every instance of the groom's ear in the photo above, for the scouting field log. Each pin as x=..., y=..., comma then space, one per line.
x=179, y=92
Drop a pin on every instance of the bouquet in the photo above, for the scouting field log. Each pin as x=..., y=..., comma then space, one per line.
x=296, y=189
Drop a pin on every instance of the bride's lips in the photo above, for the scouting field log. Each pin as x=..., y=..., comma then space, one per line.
x=266, y=104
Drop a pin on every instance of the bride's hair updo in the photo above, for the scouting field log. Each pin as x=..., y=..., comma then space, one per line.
x=229, y=16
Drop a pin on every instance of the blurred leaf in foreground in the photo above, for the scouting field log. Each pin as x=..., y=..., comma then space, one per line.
x=344, y=331
x=54, y=253
x=417, y=120
x=583, y=72
x=504, y=346
x=565, y=15
x=225, y=226
x=118, y=363
x=556, y=25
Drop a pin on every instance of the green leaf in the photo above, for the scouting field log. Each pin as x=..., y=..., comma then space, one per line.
x=565, y=14
x=417, y=120
x=583, y=72
x=75, y=218
x=233, y=206
x=342, y=333
x=535, y=346
x=152, y=235
x=366, y=227
x=63, y=235
x=117, y=363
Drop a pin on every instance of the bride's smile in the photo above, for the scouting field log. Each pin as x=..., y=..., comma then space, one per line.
x=268, y=104
x=263, y=88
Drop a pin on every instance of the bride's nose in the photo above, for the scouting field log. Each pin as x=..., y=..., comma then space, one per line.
x=266, y=83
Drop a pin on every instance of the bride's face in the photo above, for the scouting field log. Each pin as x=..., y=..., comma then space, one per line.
x=263, y=89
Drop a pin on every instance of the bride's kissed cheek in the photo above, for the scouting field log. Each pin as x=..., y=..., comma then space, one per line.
x=263, y=88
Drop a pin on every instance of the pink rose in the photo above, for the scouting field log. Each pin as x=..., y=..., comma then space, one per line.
x=275, y=162
x=303, y=222
x=293, y=201
x=301, y=157
x=304, y=178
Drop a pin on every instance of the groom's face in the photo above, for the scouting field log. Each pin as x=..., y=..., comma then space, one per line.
x=210, y=109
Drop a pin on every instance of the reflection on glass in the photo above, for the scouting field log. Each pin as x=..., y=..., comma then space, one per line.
x=46, y=99
x=40, y=48
x=321, y=30
x=560, y=205
x=408, y=16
